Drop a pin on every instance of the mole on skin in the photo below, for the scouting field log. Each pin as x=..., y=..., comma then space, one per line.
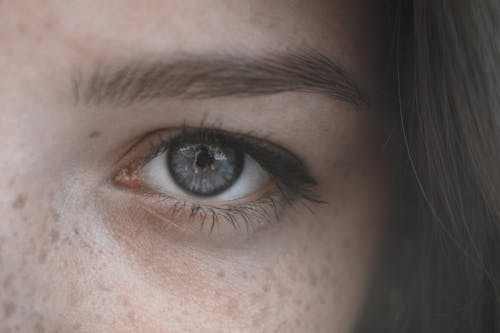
x=20, y=201
x=94, y=134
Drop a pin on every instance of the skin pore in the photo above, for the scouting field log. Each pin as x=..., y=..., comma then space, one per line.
x=80, y=254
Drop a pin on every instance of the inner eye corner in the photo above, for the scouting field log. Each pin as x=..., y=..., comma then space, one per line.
x=127, y=176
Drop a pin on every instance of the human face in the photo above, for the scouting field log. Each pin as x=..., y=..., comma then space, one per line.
x=92, y=240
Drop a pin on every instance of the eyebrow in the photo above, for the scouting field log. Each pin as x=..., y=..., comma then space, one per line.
x=212, y=76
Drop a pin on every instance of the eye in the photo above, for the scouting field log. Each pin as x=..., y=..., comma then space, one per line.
x=200, y=174
x=205, y=168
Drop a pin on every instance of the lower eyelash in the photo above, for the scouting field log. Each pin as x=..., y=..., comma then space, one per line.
x=248, y=216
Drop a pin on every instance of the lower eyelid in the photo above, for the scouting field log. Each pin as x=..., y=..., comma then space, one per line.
x=196, y=221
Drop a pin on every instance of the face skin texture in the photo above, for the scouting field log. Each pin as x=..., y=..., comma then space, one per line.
x=79, y=254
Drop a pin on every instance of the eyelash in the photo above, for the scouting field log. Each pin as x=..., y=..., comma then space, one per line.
x=293, y=184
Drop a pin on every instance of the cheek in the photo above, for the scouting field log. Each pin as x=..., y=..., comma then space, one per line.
x=30, y=237
x=48, y=260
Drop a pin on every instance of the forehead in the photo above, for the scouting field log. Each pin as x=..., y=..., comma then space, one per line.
x=85, y=29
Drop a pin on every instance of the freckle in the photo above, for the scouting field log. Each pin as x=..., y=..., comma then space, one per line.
x=39, y=327
x=54, y=236
x=282, y=290
x=55, y=216
x=7, y=282
x=124, y=300
x=94, y=134
x=103, y=287
x=266, y=288
x=20, y=201
x=329, y=256
x=86, y=245
x=270, y=272
x=313, y=278
x=131, y=316
x=232, y=306
x=50, y=23
x=244, y=275
x=22, y=28
x=347, y=244
x=292, y=272
x=334, y=281
x=326, y=273
x=284, y=323
x=221, y=274
x=42, y=257
x=255, y=297
x=292, y=269
x=9, y=308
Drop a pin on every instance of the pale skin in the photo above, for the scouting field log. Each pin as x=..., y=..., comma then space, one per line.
x=78, y=254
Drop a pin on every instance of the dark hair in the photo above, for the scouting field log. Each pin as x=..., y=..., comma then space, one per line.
x=441, y=271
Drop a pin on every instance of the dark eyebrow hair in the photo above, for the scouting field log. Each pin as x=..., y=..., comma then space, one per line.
x=212, y=76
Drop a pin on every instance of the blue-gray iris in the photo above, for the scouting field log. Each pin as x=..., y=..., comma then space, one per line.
x=204, y=169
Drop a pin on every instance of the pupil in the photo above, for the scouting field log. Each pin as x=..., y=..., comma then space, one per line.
x=203, y=158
